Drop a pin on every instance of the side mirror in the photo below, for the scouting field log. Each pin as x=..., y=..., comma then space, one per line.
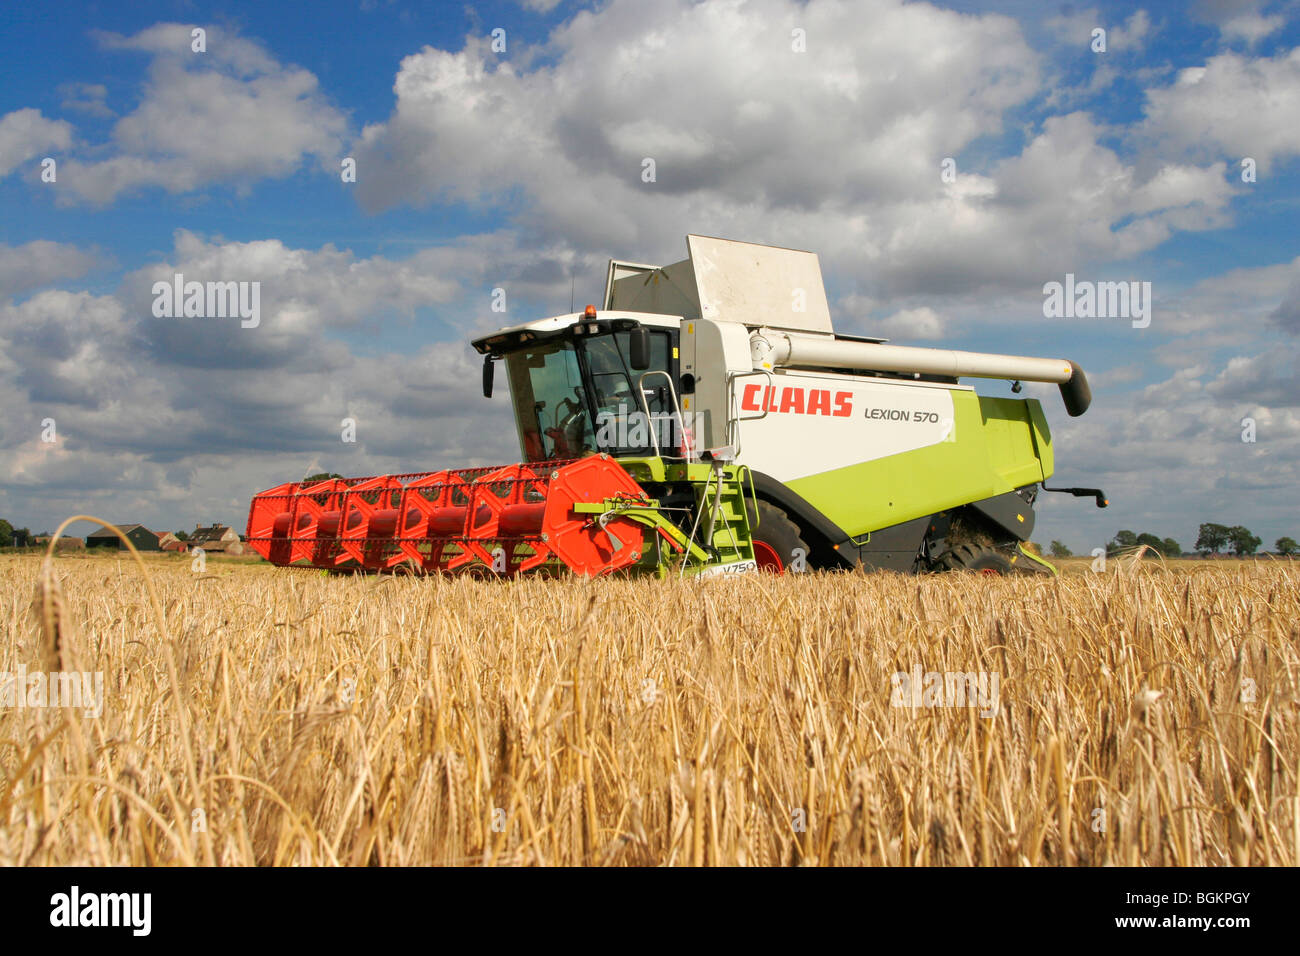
x=487, y=376
x=639, y=348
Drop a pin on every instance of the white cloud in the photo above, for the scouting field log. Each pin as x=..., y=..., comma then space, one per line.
x=922, y=323
x=1132, y=36
x=156, y=418
x=1237, y=302
x=837, y=149
x=715, y=94
x=1171, y=455
x=329, y=287
x=1073, y=27
x=68, y=348
x=1119, y=375
x=25, y=134
x=1230, y=359
x=1251, y=27
x=1241, y=20
x=1055, y=207
x=1234, y=105
x=86, y=98
x=232, y=115
x=39, y=263
x=1266, y=380
x=309, y=292
x=1075, y=30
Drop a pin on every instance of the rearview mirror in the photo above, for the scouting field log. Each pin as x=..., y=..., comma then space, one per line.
x=487, y=376
x=639, y=348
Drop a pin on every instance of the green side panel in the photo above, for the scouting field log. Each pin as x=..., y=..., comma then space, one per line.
x=1042, y=437
x=996, y=446
x=724, y=510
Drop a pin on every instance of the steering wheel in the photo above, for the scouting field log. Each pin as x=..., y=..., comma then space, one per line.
x=567, y=433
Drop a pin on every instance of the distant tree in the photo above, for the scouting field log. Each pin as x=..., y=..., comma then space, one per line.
x=1123, y=541
x=1059, y=550
x=6, y=534
x=1211, y=537
x=1243, y=542
x=23, y=538
x=182, y=535
x=1151, y=541
x=321, y=476
x=1286, y=546
x=1127, y=541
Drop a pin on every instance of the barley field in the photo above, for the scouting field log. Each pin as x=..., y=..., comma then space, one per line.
x=1146, y=715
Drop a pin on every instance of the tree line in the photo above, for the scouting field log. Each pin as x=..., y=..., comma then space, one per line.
x=11, y=537
x=1211, y=538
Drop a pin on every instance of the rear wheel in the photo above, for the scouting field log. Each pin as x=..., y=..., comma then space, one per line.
x=974, y=557
x=777, y=540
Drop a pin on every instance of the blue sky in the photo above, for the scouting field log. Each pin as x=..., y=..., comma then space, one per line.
x=520, y=169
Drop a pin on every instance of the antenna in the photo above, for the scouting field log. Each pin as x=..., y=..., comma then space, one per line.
x=571, y=280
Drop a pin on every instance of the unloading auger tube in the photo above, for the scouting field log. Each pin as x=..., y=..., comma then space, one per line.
x=770, y=348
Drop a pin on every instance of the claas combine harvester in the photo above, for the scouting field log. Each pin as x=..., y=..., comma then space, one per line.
x=709, y=420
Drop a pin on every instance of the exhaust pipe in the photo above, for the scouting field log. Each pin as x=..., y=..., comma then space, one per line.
x=770, y=348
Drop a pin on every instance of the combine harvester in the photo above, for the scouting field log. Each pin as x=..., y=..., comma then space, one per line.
x=708, y=419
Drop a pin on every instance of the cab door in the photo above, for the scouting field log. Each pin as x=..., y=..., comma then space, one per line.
x=620, y=399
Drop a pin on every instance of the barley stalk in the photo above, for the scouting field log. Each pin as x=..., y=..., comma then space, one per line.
x=1119, y=693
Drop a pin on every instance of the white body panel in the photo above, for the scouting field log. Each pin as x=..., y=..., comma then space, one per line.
x=758, y=285
x=815, y=421
x=712, y=352
x=723, y=280
x=800, y=423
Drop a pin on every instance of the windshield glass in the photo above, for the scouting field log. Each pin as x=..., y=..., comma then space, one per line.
x=552, y=404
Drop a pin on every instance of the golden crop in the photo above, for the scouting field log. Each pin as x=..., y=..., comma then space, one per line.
x=1145, y=715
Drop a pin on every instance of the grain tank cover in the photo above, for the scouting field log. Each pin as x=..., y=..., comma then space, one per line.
x=727, y=281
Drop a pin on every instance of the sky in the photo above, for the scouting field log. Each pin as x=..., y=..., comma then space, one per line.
x=947, y=162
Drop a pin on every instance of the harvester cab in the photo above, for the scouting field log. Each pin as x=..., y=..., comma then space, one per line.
x=709, y=419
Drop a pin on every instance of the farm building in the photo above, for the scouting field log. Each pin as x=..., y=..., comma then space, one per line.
x=141, y=537
x=217, y=537
x=169, y=542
